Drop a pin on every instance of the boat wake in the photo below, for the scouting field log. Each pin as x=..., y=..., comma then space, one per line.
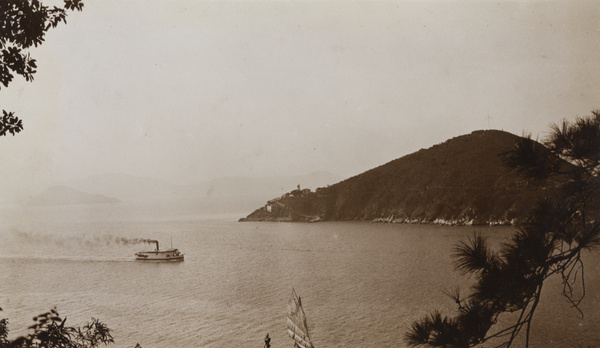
x=9, y=258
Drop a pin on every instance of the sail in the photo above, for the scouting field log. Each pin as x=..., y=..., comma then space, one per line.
x=296, y=323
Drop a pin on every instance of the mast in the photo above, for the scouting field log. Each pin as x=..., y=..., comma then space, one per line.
x=296, y=322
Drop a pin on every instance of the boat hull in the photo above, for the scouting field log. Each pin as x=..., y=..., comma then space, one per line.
x=171, y=255
x=157, y=259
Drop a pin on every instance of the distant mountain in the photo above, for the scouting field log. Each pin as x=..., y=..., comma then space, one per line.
x=231, y=194
x=127, y=187
x=459, y=181
x=265, y=188
x=62, y=195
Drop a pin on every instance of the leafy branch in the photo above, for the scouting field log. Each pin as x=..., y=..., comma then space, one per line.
x=50, y=331
x=24, y=24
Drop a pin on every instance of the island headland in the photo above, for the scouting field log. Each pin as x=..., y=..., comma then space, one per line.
x=461, y=181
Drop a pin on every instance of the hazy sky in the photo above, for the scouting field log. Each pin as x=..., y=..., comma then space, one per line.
x=193, y=90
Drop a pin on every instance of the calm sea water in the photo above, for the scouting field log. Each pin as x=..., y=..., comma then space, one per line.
x=361, y=284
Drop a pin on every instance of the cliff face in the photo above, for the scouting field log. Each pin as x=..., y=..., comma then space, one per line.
x=459, y=181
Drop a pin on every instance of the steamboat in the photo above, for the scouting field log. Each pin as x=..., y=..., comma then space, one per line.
x=168, y=255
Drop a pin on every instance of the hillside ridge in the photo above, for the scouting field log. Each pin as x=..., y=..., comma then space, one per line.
x=459, y=181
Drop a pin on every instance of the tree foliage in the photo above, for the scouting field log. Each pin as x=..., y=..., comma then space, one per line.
x=24, y=24
x=50, y=331
x=548, y=243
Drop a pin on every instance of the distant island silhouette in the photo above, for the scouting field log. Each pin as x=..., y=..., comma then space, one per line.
x=62, y=195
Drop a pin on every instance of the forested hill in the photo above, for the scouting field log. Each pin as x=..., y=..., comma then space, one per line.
x=459, y=181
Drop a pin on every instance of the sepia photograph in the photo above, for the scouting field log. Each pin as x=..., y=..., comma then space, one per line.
x=299, y=173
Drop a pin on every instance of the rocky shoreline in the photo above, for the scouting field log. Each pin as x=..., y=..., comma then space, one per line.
x=444, y=222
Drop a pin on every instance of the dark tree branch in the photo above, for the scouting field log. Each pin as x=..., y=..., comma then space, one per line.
x=24, y=24
x=549, y=243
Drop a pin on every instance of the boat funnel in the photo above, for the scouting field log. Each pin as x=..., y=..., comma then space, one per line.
x=155, y=241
